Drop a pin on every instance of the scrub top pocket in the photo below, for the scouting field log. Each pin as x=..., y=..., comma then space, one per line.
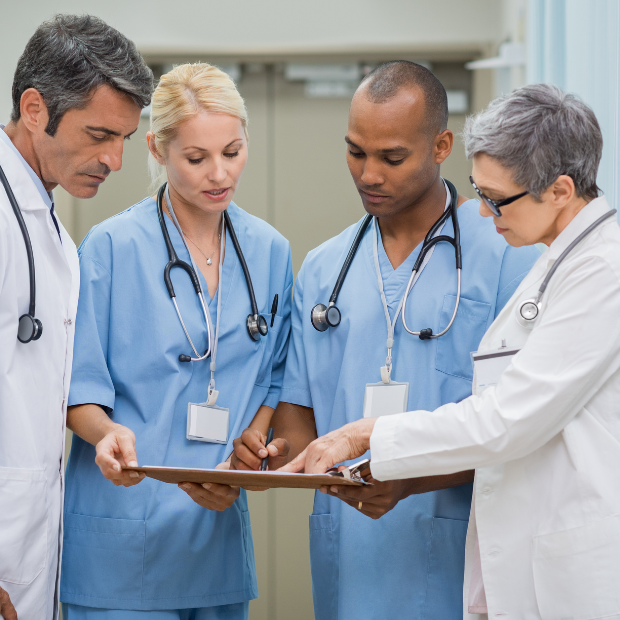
x=23, y=524
x=454, y=348
x=100, y=549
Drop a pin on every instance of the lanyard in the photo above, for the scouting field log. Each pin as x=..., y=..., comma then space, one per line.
x=386, y=370
x=212, y=393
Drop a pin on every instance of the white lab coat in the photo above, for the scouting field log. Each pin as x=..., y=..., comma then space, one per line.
x=34, y=386
x=545, y=442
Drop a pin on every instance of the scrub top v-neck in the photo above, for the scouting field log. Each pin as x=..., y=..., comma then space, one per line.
x=150, y=546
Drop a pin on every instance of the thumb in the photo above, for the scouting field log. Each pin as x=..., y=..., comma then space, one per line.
x=127, y=448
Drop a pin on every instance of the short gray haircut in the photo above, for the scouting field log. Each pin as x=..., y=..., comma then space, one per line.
x=539, y=132
x=70, y=56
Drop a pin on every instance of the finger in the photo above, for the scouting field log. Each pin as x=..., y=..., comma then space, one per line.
x=246, y=459
x=105, y=458
x=219, y=490
x=279, y=447
x=7, y=611
x=127, y=448
x=254, y=440
x=297, y=464
x=207, y=499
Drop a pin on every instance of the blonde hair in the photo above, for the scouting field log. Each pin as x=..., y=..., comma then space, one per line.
x=181, y=94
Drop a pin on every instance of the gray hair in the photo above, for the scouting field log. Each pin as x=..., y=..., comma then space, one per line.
x=69, y=56
x=539, y=132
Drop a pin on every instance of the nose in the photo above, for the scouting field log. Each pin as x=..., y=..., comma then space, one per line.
x=217, y=172
x=371, y=174
x=484, y=210
x=113, y=155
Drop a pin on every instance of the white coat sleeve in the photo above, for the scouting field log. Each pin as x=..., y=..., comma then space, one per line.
x=569, y=355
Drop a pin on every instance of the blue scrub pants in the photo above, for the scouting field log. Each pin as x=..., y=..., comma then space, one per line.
x=238, y=611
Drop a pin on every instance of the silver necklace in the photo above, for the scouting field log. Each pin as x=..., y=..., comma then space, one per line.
x=219, y=237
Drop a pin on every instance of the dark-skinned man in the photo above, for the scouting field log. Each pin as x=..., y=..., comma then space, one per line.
x=408, y=564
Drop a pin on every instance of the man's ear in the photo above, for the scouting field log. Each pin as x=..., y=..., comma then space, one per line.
x=443, y=145
x=33, y=111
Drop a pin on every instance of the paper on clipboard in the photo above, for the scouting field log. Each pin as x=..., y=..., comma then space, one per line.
x=269, y=479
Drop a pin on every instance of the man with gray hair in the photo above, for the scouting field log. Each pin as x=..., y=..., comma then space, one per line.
x=78, y=91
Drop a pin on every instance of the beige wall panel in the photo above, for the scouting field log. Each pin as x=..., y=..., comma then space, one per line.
x=315, y=197
x=253, y=192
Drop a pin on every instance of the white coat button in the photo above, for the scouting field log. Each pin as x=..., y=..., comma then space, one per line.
x=494, y=552
x=68, y=322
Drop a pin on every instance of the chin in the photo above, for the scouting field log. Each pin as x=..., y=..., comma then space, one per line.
x=81, y=191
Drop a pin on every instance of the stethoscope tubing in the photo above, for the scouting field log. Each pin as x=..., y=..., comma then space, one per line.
x=27, y=242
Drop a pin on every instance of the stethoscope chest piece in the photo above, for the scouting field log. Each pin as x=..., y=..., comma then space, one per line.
x=257, y=326
x=527, y=313
x=322, y=317
x=29, y=329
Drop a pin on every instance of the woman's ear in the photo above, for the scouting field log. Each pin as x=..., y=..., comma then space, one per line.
x=563, y=190
x=150, y=140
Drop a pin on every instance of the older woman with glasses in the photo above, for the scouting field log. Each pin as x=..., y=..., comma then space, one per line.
x=542, y=428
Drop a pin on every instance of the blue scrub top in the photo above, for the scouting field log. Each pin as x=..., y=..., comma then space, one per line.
x=150, y=546
x=408, y=564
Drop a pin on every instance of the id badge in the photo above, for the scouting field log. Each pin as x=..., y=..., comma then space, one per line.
x=489, y=366
x=385, y=399
x=207, y=423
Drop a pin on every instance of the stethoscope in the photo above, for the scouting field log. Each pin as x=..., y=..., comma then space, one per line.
x=29, y=328
x=323, y=317
x=255, y=323
x=529, y=309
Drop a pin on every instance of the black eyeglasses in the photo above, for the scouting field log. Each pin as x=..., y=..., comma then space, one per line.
x=495, y=205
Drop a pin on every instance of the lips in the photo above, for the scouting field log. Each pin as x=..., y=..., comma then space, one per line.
x=373, y=197
x=97, y=178
x=217, y=194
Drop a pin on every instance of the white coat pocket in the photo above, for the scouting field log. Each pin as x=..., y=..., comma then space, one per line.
x=23, y=524
x=577, y=572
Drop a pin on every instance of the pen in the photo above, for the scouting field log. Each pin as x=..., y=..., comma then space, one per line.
x=274, y=308
x=263, y=465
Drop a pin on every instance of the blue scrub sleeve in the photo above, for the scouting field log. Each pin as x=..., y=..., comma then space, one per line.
x=281, y=345
x=296, y=387
x=90, y=378
x=516, y=264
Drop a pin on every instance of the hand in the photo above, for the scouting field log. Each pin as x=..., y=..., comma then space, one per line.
x=383, y=496
x=116, y=449
x=348, y=442
x=376, y=500
x=7, y=611
x=250, y=450
x=212, y=496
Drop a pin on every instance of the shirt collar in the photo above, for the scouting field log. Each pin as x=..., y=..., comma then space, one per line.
x=588, y=215
x=47, y=197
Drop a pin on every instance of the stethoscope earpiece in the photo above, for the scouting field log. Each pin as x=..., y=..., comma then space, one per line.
x=29, y=329
x=323, y=317
x=257, y=326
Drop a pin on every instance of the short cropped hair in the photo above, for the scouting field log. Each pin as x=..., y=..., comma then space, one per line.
x=184, y=92
x=386, y=80
x=69, y=56
x=539, y=132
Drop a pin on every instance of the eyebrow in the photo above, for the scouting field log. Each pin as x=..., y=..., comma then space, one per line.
x=394, y=149
x=199, y=148
x=109, y=132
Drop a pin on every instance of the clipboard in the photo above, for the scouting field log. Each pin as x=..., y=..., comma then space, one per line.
x=269, y=479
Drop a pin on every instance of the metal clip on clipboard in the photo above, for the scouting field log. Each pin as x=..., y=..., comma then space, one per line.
x=353, y=472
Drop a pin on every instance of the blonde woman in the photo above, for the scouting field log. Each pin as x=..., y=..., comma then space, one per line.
x=184, y=300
